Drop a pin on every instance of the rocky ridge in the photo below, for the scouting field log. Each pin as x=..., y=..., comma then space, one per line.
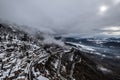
x=25, y=57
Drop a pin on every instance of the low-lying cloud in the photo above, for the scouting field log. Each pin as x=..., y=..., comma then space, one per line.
x=62, y=16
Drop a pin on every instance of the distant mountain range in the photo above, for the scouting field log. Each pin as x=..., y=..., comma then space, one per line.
x=102, y=42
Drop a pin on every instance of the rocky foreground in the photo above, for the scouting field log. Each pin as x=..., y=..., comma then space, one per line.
x=27, y=57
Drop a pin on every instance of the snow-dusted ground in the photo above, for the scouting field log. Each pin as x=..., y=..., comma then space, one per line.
x=24, y=57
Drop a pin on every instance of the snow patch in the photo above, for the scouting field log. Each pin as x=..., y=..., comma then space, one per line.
x=42, y=78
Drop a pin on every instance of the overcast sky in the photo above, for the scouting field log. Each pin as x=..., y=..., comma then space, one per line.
x=62, y=16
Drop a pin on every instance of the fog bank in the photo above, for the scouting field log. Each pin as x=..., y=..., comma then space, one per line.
x=62, y=16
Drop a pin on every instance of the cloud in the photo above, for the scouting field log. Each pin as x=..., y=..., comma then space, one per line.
x=61, y=16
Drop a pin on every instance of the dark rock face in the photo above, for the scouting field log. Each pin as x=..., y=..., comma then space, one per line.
x=23, y=57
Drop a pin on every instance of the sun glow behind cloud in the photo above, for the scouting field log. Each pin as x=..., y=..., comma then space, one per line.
x=103, y=9
x=107, y=5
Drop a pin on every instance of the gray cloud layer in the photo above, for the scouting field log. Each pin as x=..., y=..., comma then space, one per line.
x=61, y=16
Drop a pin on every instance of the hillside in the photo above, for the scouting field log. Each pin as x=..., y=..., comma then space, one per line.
x=26, y=57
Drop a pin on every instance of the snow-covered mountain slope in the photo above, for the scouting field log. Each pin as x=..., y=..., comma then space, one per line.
x=26, y=57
